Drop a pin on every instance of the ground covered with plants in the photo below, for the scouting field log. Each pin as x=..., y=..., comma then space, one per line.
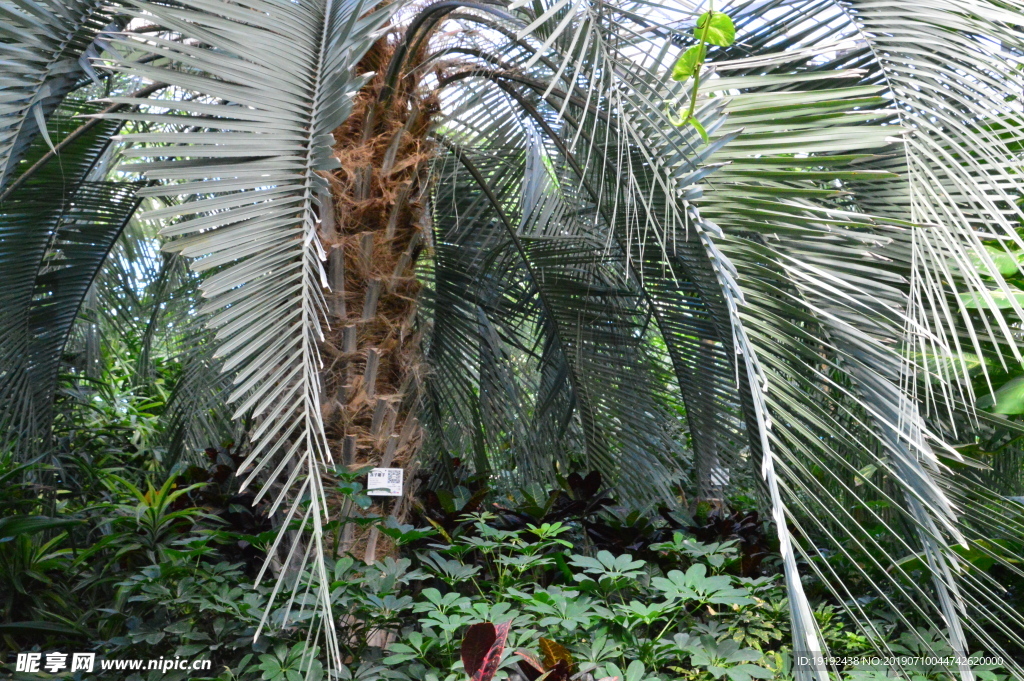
x=696, y=328
x=109, y=550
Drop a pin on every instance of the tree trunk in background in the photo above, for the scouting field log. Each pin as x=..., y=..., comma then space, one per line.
x=380, y=224
x=712, y=476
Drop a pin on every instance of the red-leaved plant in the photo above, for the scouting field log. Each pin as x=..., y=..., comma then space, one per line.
x=482, y=648
x=485, y=642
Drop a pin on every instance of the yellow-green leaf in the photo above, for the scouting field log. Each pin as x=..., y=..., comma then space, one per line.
x=1006, y=263
x=688, y=62
x=977, y=554
x=700, y=128
x=939, y=366
x=1009, y=398
x=864, y=474
x=720, y=31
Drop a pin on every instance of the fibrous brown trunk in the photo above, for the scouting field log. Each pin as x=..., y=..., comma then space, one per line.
x=379, y=227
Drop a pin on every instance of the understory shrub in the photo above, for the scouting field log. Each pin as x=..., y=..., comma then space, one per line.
x=134, y=565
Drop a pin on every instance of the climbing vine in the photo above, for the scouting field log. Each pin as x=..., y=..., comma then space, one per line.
x=712, y=28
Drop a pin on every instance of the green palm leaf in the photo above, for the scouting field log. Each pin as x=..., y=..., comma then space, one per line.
x=265, y=96
x=56, y=228
x=44, y=49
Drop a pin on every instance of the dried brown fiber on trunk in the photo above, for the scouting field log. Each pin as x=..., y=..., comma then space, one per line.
x=380, y=225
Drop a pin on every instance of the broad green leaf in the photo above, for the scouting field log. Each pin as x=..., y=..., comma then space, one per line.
x=730, y=651
x=1006, y=263
x=1009, y=398
x=745, y=672
x=694, y=584
x=979, y=554
x=634, y=672
x=939, y=367
x=688, y=62
x=864, y=474
x=1000, y=299
x=720, y=31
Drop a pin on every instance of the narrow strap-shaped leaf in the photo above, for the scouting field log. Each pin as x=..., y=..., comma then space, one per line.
x=43, y=43
x=55, y=231
x=806, y=645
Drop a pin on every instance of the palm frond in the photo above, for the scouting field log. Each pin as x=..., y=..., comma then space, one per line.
x=143, y=304
x=547, y=321
x=814, y=294
x=267, y=83
x=860, y=288
x=57, y=228
x=604, y=128
x=44, y=47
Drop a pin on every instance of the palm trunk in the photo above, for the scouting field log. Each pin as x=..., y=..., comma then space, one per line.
x=712, y=477
x=379, y=227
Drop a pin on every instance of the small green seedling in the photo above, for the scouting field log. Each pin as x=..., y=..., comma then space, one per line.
x=713, y=28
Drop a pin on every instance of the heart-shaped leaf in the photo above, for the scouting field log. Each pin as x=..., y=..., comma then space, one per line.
x=688, y=62
x=717, y=29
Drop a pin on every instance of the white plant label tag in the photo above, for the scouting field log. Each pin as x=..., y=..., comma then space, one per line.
x=385, y=482
x=719, y=476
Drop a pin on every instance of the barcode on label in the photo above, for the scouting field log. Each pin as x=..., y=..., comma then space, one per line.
x=384, y=482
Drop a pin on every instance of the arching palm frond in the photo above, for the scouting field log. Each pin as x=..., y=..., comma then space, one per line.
x=541, y=332
x=869, y=289
x=268, y=82
x=57, y=228
x=142, y=305
x=621, y=177
x=850, y=185
x=44, y=49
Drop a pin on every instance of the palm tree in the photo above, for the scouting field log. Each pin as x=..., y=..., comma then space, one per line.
x=531, y=265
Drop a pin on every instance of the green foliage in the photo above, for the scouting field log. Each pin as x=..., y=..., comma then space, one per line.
x=715, y=28
x=146, y=569
x=780, y=305
x=138, y=562
x=612, y=614
x=712, y=28
x=688, y=62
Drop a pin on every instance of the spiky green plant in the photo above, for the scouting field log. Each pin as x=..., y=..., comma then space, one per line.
x=787, y=268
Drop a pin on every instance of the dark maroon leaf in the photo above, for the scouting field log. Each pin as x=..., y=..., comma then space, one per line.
x=529, y=666
x=591, y=484
x=478, y=640
x=493, y=658
x=562, y=671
